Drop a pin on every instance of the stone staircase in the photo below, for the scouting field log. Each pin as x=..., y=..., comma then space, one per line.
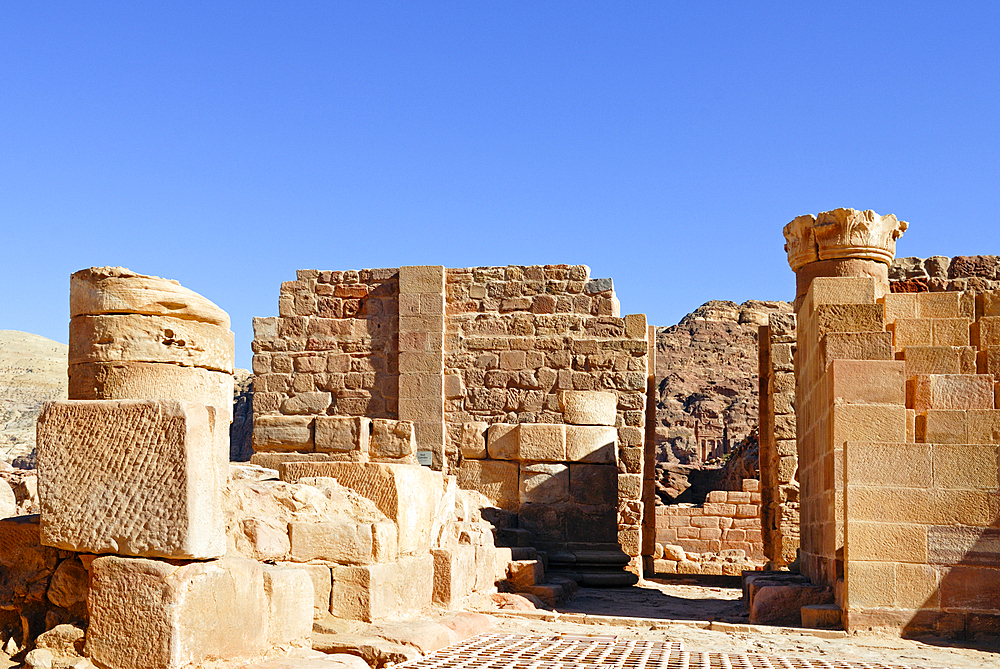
x=526, y=571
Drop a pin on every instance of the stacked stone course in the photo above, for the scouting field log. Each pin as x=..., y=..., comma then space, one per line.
x=466, y=356
x=724, y=534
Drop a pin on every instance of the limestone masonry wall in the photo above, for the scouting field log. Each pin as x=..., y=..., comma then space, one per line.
x=525, y=382
x=722, y=537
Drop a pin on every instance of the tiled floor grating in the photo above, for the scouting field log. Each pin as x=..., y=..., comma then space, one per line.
x=516, y=651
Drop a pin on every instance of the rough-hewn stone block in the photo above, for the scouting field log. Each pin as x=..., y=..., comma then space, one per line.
x=283, y=433
x=290, y=599
x=589, y=407
x=950, y=391
x=541, y=442
x=379, y=591
x=868, y=381
x=133, y=477
x=586, y=443
x=342, y=434
x=407, y=494
x=495, y=479
x=939, y=360
x=393, y=439
x=343, y=541
x=472, y=440
x=150, y=614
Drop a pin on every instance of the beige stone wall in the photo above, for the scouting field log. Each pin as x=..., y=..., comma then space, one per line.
x=333, y=347
x=898, y=433
x=454, y=351
x=727, y=525
x=778, y=451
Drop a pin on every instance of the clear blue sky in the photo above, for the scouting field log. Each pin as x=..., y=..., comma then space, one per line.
x=664, y=144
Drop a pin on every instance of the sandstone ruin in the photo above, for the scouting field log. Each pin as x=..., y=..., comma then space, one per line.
x=426, y=438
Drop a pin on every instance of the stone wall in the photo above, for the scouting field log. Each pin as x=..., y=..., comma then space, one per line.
x=940, y=273
x=727, y=526
x=333, y=347
x=467, y=356
x=778, y=452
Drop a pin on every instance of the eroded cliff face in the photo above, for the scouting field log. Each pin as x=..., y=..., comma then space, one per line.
x=32, y=371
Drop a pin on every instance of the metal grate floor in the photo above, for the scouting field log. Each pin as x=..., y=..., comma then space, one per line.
x=516, y=651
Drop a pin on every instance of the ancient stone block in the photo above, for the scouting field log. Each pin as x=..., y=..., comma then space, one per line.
x=541, y=442
x=856, y=346
x=888, y=464
x=342, y=434
x=848, y=318
x=283, y=433
x=950, y=331
x=983, y=426
x=593, y=484
x=374, y=592
x=495, y=479
x=306, y=403
x=150, y=614
x=782, y=604
x=407, y=494
x=939, y=360
x=912, y=332
x=502, y=441
x=590, y=407
x=421, y=279
x=943, y=426
x=950, y=391
x=899, y=305
x=321, y=579
x=454, y=574
x=116, y=290
x=133, y=477
x=880, y=541
x=868, y=381
x=393, y=439
x=152, y=381
x=841, y=290
x=939, y=305
x=290, y=599
x=343, y=541
x=472, y=440
x=134, y=338
x=868, y=422
x=544, y=483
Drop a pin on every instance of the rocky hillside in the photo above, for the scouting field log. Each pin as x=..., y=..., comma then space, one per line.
x=32, y=371
x=706, y=372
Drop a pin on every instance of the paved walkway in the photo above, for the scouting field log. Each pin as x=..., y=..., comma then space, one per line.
x=516, y=651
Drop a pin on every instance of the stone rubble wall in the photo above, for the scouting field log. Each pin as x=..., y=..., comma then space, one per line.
x=940, y=273
x=723, y=535
x=333, y=347
x=778, y=452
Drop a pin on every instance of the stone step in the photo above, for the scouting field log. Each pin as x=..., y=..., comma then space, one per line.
x=594, y=578
x=523, y=574
x=523, y=553
x=821, y=616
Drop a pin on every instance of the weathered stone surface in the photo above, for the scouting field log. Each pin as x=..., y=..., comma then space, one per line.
x=393, y=440
x=842, y=233
x=133, y=477
x=782, y=604
x=283, y=433
x=322, y=581
x=151, y=381
x=375, y=592
x=502, y=441
x=8, y=502
x=591, y=444
x=290, y=597
x=342, y=434
x=150, y=614
x=116, y=290
x=472, y=440
x=306, y=404
x=541, y=442
x=331, y=661
x=341, y=540
x=134, y=338
x=69, y=584
x=407, y=494
x=591, y=407
x=454, y=574
x=543, y=483
x=496, y=480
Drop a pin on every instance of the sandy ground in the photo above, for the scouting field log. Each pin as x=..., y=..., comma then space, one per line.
x=689, y=602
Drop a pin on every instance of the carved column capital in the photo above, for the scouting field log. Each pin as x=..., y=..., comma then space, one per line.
x=842, y=234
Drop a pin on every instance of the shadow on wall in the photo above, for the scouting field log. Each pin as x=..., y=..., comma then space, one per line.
x=965, y=605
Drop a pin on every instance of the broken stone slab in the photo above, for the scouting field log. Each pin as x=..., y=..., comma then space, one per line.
x=151, y=614
x=134, y=338
x=132, y=477
x=343, y=434
x=472, y=440
x=116, y=290
x=281, y=433
x=406, y=494
x=151, y=381
x=373, y=651
x=290, y=597
x=589, y=407
x=393, y=440
x=379, y=591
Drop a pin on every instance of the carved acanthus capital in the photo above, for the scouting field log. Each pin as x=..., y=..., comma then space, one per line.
x=842, y=233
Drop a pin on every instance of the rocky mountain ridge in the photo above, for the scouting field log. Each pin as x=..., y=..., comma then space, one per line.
x=32, y=371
